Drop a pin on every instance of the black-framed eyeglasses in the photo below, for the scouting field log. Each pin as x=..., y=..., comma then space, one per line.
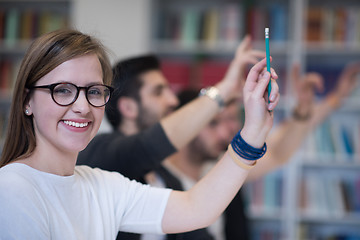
x=65, y=94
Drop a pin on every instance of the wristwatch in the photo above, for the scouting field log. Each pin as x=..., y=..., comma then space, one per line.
x=213, y=93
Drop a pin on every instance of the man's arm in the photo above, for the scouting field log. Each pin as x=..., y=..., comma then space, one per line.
x=133, y=156
x=186, y=123
x=126, y=155
x=208, y=198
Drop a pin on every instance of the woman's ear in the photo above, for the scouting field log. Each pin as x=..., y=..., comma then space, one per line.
x=27, y=108
x=128, y=108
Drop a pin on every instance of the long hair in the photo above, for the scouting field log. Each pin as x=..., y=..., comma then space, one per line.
x=43, y=55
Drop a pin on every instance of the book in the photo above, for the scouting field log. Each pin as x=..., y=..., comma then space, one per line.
x=314, y=24
x=230, y=23
x=340, y=25
x=278, y=23
x=177, y=72
x=347, y=138
x=269, y=188
x=336, y=134
x=208, y=72
x=44, y=22
x=57, y=21
x=257, y=18
x=190, y=27
x=210, y=27
x=5, y=73
x=311, y=206
x=351, y=28
x=2, y=23
x=26, y=31
x=12, y=27
x=327, y=25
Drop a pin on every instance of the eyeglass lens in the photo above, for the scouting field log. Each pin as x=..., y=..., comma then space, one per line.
x=65, y=94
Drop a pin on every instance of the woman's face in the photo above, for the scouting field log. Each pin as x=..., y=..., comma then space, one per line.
x=67, y=128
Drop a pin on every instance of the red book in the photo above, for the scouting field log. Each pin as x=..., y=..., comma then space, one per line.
x=177, y=73
x=211, y=72
x=2, y=23
x=4, y=75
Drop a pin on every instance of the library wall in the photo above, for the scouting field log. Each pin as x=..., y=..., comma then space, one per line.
x=121, y=25
x=315, y=195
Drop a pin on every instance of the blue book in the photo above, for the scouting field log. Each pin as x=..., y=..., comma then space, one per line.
x=278, y=23
x=346, y=137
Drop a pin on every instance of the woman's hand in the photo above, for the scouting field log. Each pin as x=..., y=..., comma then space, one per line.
x=305, y=87
x=258, y=111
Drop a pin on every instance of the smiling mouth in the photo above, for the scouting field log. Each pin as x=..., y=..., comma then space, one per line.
x=76, y=124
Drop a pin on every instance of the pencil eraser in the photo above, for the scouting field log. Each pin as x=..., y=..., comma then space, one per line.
x=266, y=30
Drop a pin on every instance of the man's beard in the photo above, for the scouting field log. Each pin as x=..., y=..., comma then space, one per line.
x=145, y=119
x=206, y=155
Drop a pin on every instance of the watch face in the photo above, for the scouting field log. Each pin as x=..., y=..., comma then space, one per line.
x=212, y=92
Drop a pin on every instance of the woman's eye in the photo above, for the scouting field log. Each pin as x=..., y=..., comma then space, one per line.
x=62, y=90
x=94, y=92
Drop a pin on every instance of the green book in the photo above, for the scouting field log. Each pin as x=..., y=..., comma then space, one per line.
x=12, y=27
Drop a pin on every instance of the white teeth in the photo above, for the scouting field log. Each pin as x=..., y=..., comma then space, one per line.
x=76, y=124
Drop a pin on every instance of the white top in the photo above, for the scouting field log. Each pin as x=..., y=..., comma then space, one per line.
x=91, y=204
x=217, y=229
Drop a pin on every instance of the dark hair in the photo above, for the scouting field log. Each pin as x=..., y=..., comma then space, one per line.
x=128, y=83
x=44, y=54
x=187, y=95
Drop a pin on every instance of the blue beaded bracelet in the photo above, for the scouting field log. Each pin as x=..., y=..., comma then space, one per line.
x=244, y=150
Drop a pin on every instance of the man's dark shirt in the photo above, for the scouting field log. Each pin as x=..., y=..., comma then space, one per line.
x=136, y=155
x=132, y=156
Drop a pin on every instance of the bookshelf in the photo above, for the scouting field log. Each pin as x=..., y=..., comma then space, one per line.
x=20, y=22
x=197, y=39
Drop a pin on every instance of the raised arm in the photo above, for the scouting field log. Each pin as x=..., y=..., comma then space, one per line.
x=184, y=124
x=345, y=84
x=287, y=138
x=202, y=204
x=136, y=155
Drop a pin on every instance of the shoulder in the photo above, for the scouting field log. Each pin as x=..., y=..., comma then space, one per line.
x=99, y=179
x=18, y=188
x=13, y=175
x=91, y=174
x=105, y=182
x=23, y=214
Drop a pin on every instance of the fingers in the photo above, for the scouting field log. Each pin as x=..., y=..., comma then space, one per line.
x=273, y=74
x=274, y=90
x=258, y=53
x=257, y=83
x=255, y=71
x=351, y=70
x=262, y=84
x=245, y=44
x=253, y=56
x=315, y=81
x=274, y=100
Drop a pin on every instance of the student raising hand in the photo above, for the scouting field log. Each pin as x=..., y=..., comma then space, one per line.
x=202, y=204
x=257, y=111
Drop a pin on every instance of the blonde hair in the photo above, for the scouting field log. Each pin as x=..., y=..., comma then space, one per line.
x=44, y=54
